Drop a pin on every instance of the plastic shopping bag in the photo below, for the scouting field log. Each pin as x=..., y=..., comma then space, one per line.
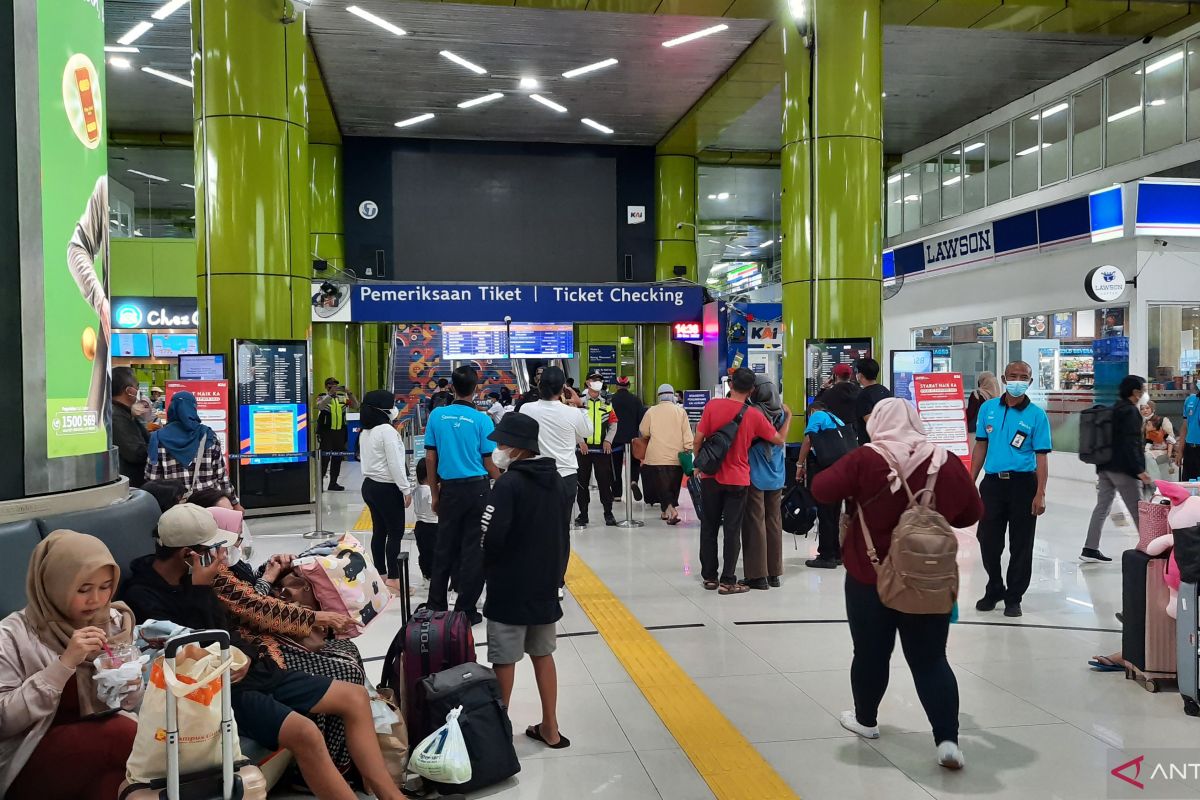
x=442, y=756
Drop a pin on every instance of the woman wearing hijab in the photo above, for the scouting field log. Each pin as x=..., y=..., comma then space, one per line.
x=50, y=714
x=187, y=450
x=762, y=526
x=986, y=388
x=872, y=477
x=666, y=427
x=386, y=489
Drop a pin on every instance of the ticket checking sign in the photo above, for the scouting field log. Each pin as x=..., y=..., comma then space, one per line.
x=940, y=404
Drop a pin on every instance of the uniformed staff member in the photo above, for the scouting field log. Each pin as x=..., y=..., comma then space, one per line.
x=1012, y=439
x=595, y=452
x=1187, y=452
x=331, y=428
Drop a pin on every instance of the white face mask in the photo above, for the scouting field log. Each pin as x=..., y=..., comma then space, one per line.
x=392, y=413
x=501, y=458
x=233, y=555
x=595, y=386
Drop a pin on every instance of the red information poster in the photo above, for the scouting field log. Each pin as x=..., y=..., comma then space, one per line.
x=942, y=407
x=212, y=401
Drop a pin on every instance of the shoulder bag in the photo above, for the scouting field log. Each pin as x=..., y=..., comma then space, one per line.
x=712, y=452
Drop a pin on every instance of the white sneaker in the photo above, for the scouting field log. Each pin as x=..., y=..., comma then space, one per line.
x=561, y=595
x=950, y=756
x=851, y=723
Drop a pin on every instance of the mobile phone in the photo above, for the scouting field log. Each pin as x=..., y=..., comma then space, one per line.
x=206, y=556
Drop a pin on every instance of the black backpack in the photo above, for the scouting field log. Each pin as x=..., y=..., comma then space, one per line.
x=828, y=446
x=1096, y=435
x=799, y=510
x=717, y=445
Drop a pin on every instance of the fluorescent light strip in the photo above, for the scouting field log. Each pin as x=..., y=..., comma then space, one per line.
x=1028, y=151
x=1122, y=114
x=148, y=175
x=168, y=9
x=462, y=62
x=374, y=20
x=767, y=243
x=1163, y=62
x=575, y=73
x=530, y=83
x=691, y=37
x=971, y=147
x=135, y=33
x=591, y=123
x=116, y=48
x=548, y=103
x=166, y=76
x=120, y=62
x=475, y=101
x=895, y=178
x=1051, y=111
x=404, y=123
x=912, y=198
x=723, y=196
x=187, y=186
x=952, y=181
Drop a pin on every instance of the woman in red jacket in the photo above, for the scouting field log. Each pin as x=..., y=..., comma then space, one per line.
x=871, y=476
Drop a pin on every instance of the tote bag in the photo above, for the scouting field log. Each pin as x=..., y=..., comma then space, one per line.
x=346, y=582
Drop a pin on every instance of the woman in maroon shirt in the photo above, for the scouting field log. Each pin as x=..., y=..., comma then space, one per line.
x=871, y=476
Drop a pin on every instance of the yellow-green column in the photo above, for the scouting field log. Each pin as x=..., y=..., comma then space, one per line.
x=664, y=360
x=252, y=170
x=832, y=180
x=335, y=344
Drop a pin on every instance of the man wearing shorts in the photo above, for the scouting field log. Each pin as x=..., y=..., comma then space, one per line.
x=522, y=560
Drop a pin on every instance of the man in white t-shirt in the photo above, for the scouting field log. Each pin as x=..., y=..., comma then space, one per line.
x=562, y=424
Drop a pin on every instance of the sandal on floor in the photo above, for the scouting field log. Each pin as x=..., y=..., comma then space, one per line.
x=535, y=732
x=732, y=588
x=674, y=520
x=1105, y=664
x=711, y=585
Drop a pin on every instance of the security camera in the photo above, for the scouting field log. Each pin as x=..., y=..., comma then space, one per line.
x=1161, y=243
x=1149, y=38
x=678, y=226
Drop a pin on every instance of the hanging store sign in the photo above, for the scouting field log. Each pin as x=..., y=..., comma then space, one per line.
x=968, y=246
x=1105, y=284
x=154, y=312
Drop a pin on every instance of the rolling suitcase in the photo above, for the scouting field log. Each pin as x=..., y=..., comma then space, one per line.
x=230, y=781
x=693, y=485
x=1187, y=638
x=486, y=729
x=1148, y=635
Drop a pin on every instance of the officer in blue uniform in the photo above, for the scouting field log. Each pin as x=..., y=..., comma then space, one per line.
x=1187, y=453
x=1012, y=438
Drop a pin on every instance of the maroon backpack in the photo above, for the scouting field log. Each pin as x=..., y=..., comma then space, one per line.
x=431, y=641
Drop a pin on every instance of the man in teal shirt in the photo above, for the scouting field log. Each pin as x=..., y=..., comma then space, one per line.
x=1187, y=452
x=1012, y=440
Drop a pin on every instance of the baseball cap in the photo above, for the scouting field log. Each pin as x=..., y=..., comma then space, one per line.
x=595, y=375
x=623, y=380
x=843, y=371
x=189, y=525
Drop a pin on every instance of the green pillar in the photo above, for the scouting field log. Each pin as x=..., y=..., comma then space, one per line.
x=664, y=360
x=252, y=170
x=335, y=344
x=832, y=181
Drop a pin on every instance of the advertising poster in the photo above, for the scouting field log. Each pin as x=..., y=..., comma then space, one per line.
x=74, y=185
x=212, y=401
x=940, y=403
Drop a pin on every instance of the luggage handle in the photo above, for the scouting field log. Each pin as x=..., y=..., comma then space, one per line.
x=201, y=638
x=220, y=637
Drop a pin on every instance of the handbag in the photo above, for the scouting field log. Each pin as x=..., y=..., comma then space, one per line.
x=346, y=582
x=1152, y=522
x=686, y=461
x=638, y=447
x=712, y=452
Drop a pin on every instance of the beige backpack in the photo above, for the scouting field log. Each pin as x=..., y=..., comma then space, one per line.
x=920, y=573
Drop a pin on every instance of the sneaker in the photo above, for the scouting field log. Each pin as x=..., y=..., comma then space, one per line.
x=773, y=581
x=821, y=563
x=1012, y=609
x=609, y=519
x=950, y=756
x=755, y=583
x=987, y=603
x=581, y=520
x=1092, y=556
x=336, y=487
x=636, y=491
x=851, y=723
x=561, y=595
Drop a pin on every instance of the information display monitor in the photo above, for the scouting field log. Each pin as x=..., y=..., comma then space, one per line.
x=272, y=401
x=905, y=364
x=130, y=345
x=465, y=341
x=170, y=345
x=203, y=367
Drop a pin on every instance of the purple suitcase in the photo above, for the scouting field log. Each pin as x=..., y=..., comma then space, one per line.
x=430, y=642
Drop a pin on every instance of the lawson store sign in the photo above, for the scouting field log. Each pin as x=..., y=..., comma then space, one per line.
x=467, y=302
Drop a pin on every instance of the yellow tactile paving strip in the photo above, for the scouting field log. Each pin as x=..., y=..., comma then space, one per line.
x=729, y=764
x=364, y=520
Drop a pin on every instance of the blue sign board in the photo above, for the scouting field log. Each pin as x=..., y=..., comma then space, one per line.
x=602, y=354
x=580, y=303
x=694, y=401
x=1106, y=209
x=1168, y=208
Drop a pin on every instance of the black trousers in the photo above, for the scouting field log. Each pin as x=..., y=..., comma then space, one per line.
x=723, y=507
x=386, y=502
x=635, y=470
x=600, y=461
x=332, y=440
x=1008, y=503
x=459, y=550
x=873, y=628
x=568, y=484
x=829, y=519
x=426, y=536
x=1190, y=469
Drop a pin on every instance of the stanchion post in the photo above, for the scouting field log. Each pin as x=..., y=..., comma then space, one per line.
x=629, y=521
x=318, y=531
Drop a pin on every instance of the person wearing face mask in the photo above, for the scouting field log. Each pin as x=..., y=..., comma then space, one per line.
x=1126, y=471
x=386, y=489
x=595, y=452
x=1012, y=440
x=128, y=432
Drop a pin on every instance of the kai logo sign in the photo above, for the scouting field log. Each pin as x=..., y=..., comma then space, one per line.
x=637, y=214
x=961, y=247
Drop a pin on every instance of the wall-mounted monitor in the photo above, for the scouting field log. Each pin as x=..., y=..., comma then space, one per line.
x=204, y=367
x=466, y=341
x=173, y=345
x=272, y=398
x=130, y=345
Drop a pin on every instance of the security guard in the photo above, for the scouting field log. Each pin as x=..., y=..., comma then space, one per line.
x=1187, y=452
x=596, y=451
x=331, y=428
x=1012, y=439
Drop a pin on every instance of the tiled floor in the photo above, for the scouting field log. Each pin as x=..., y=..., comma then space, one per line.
x=1036, y=723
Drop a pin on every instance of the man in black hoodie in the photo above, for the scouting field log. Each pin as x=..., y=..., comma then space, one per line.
x=629, y=409
x=269, y=704
x=522, y=561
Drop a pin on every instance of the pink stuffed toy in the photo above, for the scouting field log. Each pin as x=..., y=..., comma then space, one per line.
x=1184, y=513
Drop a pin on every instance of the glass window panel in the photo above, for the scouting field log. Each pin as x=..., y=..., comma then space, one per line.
x=931, y=196
x=1026, y=146
x=1054, y=118
x=999, y=146
x=952, y=182
x=1123, y=128
x=974, y=174
x=912, y=198
x=1193, y=82
x=895, y=203
x=1164, y=100
x=1087, y=130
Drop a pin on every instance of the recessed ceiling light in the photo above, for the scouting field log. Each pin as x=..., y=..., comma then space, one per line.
x=148, y=176
x=187, y=186
x=117, y=48
x=168, y=9
x=462, y=62
x=971, y=147
x=404, y=123
x=120, y=62
x=575, y=73
x=374, y=20
x=135, y=33
x=530, y=83
x=723, y=196
x=912, y=198
x=548, y=103
x=475, y=101
x=712, y=197
x=691, y=37
x=885, y=94
x=166, y=76
x=591, y=123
